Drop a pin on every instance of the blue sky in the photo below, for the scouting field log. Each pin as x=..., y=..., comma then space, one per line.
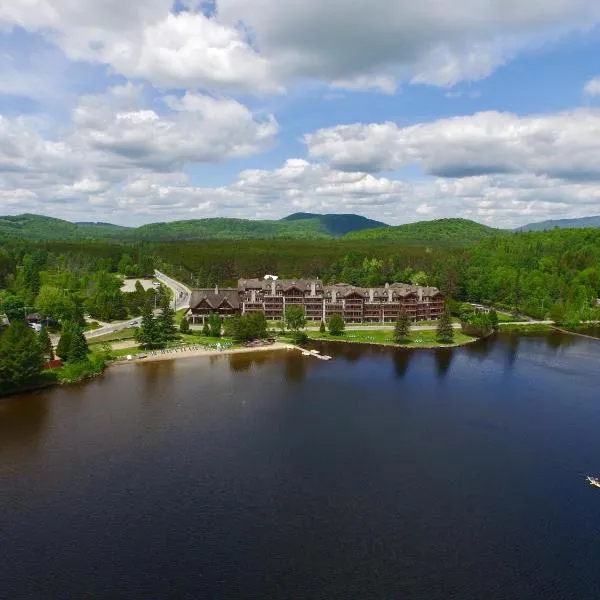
x=151, y=111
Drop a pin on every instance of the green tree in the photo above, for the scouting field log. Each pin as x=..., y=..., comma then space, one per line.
x=322, y=327
x=148, y=334
x=78, y=348
x=21, y=357
x=336, y=324
x=165, y=321
x=215, y=322
x=184, y=326
x=64, y=343
x=445, y=331
x=206, y=329
x=53, y=303
x=14, y=307
x=45, y=343
x=493, y=316
x=295, y=318
x=252, y=326
x=402, y=328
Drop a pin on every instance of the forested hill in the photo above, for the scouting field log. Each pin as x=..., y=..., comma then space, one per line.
x=563, y=224
x=40, y=228
x=298, y=226
x=440, y=232
x=337, y=225
x=301, y=226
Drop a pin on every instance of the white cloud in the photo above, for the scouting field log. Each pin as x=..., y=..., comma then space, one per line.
x=563, y=145
x=592, y=87
x=255, y=45
x=438, y=42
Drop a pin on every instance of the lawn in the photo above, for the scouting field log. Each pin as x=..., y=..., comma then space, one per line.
x=116, y=336
x=418, y=339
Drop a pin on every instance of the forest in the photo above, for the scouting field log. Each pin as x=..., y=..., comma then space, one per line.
x=543, y=274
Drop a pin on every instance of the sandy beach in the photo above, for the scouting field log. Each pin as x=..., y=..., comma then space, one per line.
x=195, y=353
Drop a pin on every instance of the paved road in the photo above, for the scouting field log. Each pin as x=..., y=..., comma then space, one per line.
x=181, y=299
x=181, y=293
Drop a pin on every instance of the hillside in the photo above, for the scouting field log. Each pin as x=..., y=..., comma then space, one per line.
x=562, y=224
x=299, y=226
x=455, y=232
x=337, y=225
x=232, y=229
x=38, y=227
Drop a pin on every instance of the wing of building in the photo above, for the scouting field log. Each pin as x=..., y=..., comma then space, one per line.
x=355, y=304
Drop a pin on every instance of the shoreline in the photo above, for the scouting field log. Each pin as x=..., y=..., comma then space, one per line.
x=278, y=346
x=402, y=346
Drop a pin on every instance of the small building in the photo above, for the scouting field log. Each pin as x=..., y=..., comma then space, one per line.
x=4, y=322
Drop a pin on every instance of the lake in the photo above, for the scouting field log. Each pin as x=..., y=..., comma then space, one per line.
x=383, y=474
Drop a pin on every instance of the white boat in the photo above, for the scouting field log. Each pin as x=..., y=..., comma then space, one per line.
x=593, y=481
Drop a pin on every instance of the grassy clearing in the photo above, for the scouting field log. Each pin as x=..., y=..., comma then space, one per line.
x=116, y=336
x=525, y=327
x=417, y=339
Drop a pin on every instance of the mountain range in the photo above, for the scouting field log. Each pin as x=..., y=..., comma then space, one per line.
x=298, y=226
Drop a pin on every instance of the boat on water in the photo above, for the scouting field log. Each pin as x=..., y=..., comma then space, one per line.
x=595, y=481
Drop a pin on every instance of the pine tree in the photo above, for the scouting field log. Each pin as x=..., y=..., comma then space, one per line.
x=64, y=343
x=165, y=322
x=148, y=334
x=45, y=343
x=184, y=326
x=206, y=329
x=402, y=328
x=445, y=331
x=494, y=320
x=336, y=324
x=21, y=357
x=322, y=327
x=78, y=349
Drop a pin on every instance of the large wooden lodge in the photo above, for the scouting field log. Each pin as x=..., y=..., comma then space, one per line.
x=355, y=304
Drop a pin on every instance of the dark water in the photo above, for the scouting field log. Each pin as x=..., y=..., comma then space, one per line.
x=381, y=474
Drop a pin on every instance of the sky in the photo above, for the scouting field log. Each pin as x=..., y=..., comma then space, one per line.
x=137, y=112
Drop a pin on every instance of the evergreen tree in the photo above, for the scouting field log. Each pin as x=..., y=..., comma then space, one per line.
x=214, y=325
x=78, y=349
x=336, y=324
x=45, y=343
x=165, y=321
x=206, y=329
x=21, y=357
x=445, y=332
x=148, y=334
x=64, y=343
x=184, y=326
x=322, y=327
x=494, y=320
x=402, y=328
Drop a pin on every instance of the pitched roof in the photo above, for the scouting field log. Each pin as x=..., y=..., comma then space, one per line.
x=213, y=300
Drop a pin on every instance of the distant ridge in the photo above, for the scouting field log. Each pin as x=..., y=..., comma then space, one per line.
x=337, y=225
x=447, y=231
x=563, y=224
x=298, y=226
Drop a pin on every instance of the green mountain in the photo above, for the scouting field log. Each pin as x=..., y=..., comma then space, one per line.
x=454, y=232
x=299, y=226
x=232, y=229
x=38, y=227
x=562, y=224
x=337, y=225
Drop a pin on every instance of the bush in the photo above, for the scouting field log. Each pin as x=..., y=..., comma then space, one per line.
x=184, y=326
x=77, y=371
x=336, y=325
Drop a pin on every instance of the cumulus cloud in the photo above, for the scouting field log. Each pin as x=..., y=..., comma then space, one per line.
x=592, y=87
x=255, y=45
x=438, y=42
x=563, y=145
x=145, y=39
